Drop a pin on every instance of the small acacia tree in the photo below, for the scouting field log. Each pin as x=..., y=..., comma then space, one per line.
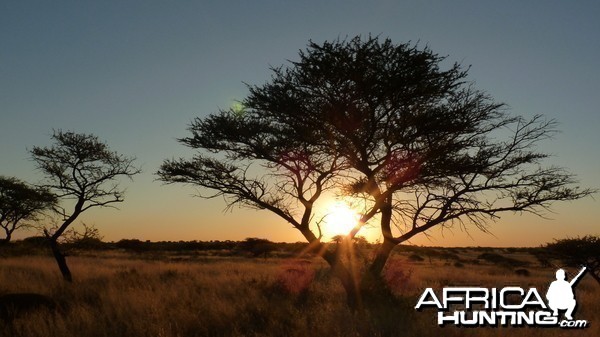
x=20, y=204
x=381, y=122
x=257, y=247
x=583, y=251
x=83, y=173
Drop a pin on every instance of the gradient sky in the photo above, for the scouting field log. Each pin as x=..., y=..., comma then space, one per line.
x=135, y=73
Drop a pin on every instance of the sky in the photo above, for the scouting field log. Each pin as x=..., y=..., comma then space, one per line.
x=135, y=73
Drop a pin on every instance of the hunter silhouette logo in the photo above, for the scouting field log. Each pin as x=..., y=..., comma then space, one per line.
x=560, y=294
x=508, y=306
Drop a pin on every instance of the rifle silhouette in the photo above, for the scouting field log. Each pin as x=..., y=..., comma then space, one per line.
x=576, y=278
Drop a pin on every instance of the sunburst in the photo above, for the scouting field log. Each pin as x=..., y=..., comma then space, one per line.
x=339, y=219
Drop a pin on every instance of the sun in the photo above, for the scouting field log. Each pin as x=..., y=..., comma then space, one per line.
x=339, y=219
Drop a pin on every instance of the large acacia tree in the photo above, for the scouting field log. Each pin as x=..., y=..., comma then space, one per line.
x=20, y=204
x=83, y=173
x=382, y=122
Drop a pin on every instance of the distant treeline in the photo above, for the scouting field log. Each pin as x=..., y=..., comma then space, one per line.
x=253, y=246
x=250, y=246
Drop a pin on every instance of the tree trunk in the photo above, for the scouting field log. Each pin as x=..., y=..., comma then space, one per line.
x=7, y=238
x=335, y=262
x=353, y=294
x=61, y=261
x=383, y=253
x=346, y=277
x=373, y=278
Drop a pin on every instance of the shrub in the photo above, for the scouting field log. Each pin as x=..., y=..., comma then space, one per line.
x=415, y=258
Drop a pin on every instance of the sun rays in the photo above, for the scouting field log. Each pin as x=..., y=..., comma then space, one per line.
x=339, y=219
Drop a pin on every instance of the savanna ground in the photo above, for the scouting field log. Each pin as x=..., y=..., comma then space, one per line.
x=160, y=294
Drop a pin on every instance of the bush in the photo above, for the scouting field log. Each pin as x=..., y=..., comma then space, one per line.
x=256, y=247
x=416, y=258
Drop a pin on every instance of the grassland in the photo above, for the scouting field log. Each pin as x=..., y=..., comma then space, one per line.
x=116, y=293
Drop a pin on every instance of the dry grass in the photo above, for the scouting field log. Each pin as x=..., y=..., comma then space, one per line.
x=116, y=295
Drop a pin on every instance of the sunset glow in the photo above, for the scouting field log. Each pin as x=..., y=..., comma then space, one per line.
x=340, y=219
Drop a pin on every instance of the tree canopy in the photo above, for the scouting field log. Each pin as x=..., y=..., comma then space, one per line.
x=379, y=121
x=20, y=204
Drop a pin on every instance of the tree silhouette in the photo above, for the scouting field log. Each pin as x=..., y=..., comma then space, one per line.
x=257, y=247
x=83, y=172
x=381, y=122
x=578, y=251
x=21, y=203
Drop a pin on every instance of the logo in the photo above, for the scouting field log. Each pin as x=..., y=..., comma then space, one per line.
x=508, y=306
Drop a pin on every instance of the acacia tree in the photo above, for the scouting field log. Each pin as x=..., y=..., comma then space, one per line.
x=21, y=203
x=382, y=122
x=83, y=173
x=578, y=251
